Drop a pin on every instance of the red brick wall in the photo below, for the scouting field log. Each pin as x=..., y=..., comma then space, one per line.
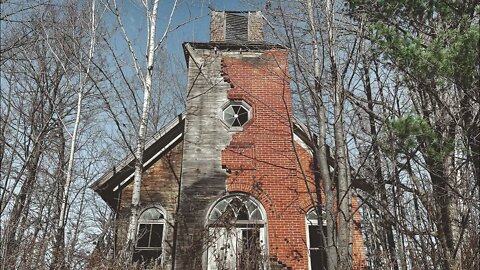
x=358, y=246
x=267, y=138
x=261, y=158
x=306, y=203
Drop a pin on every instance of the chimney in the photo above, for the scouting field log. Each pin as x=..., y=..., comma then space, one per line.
x=236, y=26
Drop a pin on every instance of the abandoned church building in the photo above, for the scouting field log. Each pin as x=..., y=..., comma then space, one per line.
x=228, y=184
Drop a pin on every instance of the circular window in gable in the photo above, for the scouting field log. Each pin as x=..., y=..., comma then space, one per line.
x=236, y=114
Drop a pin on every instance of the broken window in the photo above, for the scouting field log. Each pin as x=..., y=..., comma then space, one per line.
x=317, y=253
x=236, y=234
x=151, y=225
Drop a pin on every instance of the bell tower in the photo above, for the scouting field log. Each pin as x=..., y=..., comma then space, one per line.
x=238, y=140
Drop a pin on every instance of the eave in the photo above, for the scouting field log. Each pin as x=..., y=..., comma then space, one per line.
x=114, y=180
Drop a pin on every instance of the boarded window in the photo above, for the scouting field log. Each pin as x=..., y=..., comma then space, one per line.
x=236, y=27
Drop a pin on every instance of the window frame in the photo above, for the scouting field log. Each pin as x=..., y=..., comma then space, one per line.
x=161, y=221
x=309, y=222
x=237, y=228
x=236, y=102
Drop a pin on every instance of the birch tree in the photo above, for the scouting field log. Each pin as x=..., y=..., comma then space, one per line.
x=59, y=253
x=320, y=149
x=341, y=157
x=145, y=76
x=40, y=77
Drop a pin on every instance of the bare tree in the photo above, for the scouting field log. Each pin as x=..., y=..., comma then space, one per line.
x=151, y=9
x=324, y=55
x=427, y=160
x=41, y=75
x=60, y=229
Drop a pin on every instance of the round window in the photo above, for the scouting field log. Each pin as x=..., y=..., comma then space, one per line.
x=236, y=115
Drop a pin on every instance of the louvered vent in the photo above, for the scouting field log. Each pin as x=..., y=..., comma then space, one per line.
x=236, y=27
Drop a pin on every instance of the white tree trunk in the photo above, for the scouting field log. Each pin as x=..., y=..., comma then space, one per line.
x=142, y=130
x=60, y=229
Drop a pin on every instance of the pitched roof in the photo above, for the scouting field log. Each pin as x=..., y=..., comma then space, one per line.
x=110, y=183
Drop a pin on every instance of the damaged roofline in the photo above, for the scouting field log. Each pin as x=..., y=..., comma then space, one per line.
x=226, y=45
x=229, y=45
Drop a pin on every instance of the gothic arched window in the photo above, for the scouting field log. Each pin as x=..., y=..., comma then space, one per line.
x=237, y=234
x=150, y=234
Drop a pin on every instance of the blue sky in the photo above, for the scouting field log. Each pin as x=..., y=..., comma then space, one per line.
x=190, y=23
x=192, y=15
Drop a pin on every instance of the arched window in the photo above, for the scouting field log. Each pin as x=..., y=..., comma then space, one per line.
x=150, y=233
x=317, y=254
x=237, y=234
